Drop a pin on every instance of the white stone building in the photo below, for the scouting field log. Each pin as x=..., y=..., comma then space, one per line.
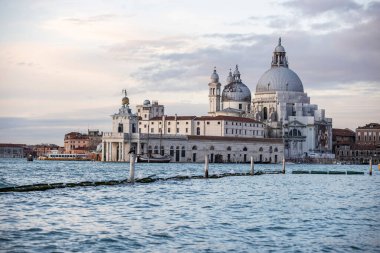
x=279, y=120
x=187, y=138
x=281, y=103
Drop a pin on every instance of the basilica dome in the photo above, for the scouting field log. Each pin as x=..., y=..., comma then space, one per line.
x=279, y=77
x=236, y=90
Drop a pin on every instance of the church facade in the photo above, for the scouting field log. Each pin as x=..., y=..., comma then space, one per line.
x=279, y=121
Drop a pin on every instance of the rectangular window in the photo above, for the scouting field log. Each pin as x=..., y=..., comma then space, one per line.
x=152, y=130
x=187, y=130
x=226, y=131
x=177, y=130
x=168, y=130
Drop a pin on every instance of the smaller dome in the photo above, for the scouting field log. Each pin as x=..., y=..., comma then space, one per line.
x=279, y=49
x=125, y=101
x=236, y=91
x=146, y=102
x=214, y=76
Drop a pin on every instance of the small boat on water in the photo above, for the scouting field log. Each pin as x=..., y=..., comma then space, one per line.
x=29, y=158
x=153, y=159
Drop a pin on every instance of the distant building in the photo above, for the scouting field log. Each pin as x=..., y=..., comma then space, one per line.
x=343, y=141
x=360, y=146
x=80, y=143
x=368, y=134
x=8, y=150
x=45, y=149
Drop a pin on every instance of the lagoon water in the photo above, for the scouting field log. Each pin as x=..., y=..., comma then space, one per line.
x=266, y=213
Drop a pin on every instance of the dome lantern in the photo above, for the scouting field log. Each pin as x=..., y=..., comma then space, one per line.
x=279, y=56
x=230, y=78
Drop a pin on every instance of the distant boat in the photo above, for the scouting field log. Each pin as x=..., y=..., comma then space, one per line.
x=29, y=158
x=65, y=157
x=153, y=159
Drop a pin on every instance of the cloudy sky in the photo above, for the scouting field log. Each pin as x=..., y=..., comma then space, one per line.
x=64, y=63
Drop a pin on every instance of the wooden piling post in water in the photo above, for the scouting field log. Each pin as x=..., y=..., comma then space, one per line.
x=370, y=167
x=206, y=166
x=252, y=166
x=283, y=165
x=132, y=168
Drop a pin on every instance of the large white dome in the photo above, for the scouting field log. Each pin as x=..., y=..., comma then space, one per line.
x=279, y=79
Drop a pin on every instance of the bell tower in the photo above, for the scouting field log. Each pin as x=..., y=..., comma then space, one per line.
x=214, y=93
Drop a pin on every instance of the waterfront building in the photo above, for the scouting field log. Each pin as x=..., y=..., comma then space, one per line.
x=45, y=149
x=8, y=150
x=80, y=143
x=366, y=144
x=187, y=138
x=281, y=103
x=368, y=134
x=343, y=141
x=280, y=113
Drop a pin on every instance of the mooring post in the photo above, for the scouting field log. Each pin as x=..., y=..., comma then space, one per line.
x=132, y=168
x=206, y=166
x=252, y=166
x=283, y=165
x=370, y=167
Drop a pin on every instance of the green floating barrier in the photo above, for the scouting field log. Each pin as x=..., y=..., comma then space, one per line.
x=300, y=172
x=337, y=172
x=355, y=173
x=318, y=172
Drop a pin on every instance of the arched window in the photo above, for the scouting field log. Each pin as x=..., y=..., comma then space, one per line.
x=120, y=128
x=228, y=148
x=275, y=149
x=171, y=151
x=194, y=147
x=265, y=112
x=261, y=149
x=245, y=149
x=212, y=148
x=198, y=130
x=183, y=152
x=150, y=150
x=156, y=149
x=270, y=149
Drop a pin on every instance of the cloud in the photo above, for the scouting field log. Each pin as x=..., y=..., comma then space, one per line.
x=91, y=19
x=312, y=7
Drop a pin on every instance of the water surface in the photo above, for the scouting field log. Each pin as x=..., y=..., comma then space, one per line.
x=280, y=213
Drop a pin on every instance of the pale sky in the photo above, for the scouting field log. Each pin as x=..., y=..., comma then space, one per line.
x=63, y=64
